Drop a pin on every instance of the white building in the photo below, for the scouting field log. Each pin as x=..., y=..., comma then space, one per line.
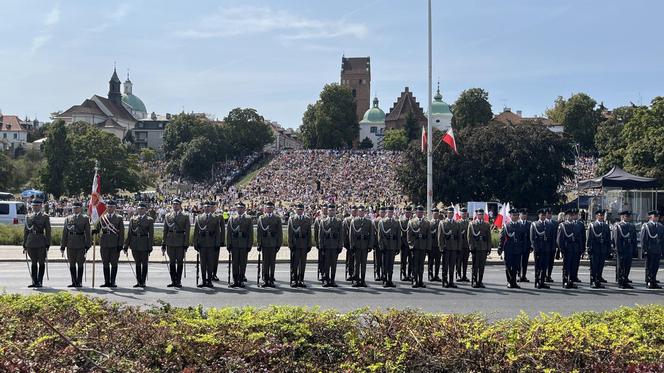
x=284, y=138
x=372, y=125
x=441, y=115
x=12, y=133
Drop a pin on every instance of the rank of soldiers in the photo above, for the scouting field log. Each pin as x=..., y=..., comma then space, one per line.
x=443, y=245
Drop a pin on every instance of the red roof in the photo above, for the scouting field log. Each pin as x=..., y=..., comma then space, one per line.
x=11, y=123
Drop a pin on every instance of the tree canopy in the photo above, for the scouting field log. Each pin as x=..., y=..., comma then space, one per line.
x=579, y=116
x=246, y=131
x=331, y=122
x=471, y=108
x=395, y=139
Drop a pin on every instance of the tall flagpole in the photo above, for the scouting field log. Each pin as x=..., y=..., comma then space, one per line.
x=429, y=135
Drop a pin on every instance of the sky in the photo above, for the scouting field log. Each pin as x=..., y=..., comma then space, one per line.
x=276, y=56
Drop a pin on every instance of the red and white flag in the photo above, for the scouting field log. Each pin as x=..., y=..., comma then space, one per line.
x=424, y=139
x=96, y=207
x=448, y=138
x=503, y=216
x=457, y=212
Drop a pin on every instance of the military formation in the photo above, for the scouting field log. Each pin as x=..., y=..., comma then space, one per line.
x=443, y=245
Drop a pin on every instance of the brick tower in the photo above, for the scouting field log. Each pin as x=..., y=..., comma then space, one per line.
x=356, y=74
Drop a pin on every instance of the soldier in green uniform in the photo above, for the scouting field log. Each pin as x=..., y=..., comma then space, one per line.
x=464, y=247
x=434, y=256
x=329, y=233
x=419, y=242
x=361, y=237
x=479, y=240
x=449, y=240
x=76, y=238
x=222, y=229
x=176, y=241
x=36, y=241
x=270, y=238
x=111, y=227
x=379, y=273
x=140, y=239
x=299, y=243
x=406, y=268
x=207, y=238
x=389, y=243
x=240, y=239
x=350, y=263
x=322, y=215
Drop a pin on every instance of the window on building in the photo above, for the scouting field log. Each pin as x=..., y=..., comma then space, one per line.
x=4, y=135
x=15, y=136
x=374, y=129
x=354, y=93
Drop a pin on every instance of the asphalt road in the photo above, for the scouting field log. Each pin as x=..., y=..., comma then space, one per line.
x=496, y=301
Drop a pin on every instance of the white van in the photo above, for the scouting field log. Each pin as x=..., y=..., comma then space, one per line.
x=13, y=212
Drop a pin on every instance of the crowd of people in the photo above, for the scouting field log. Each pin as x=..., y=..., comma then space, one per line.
x=585, y=168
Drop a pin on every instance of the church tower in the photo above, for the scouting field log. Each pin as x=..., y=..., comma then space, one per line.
x=356, y=74
x=114, y=93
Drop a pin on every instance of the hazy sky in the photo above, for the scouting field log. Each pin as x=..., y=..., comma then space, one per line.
x=275, y=56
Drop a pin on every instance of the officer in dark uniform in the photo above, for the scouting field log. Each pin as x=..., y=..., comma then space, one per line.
x=419, y=241
x=111, y=226
x=176, y=241
x=389, y=241
x=464, y=247
x=568, y=245
x=580, y=235
x=449, y=242
x=526, y=249
x=331, y=242
x=36, y=241
x=552, y=231
x=599, y=246
x=539, y=241
x=434, y=255
x=360, y=236
x=378, y=255
x=350, y=262
x=76, y=238
x=207, y=237
x=652, y=239
x=479, y=240
x=270, y=238
x=319, y=218
x=510, y=245
x=140, y=238
x=405, y=249
x=299, y=242
x=624, y=240
x=222, y=229
x=239, y=239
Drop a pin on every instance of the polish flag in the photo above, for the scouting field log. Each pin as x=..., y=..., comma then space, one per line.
x=486, y=212
x=448, y=138
x=96, y=207
x=457, y=212
x=503, y=216
x=424, y=139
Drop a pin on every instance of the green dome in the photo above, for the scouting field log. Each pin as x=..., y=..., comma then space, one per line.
x=438, y=106
x=134, y=102
x=375, y=114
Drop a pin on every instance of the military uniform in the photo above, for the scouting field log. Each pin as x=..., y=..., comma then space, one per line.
x=379, y=273
x=207, y=240
x=350, y=264
x=36, y=241
x=552, y=227
x=449, y=242
x=524, y=233
x=316, y=226
x=434, y=255
x=389, y=242
x=239, y=239
x=479, y=240
x=464, y=251
x=176, y=241
x=419, y=242
x=111, y=227
x=568, y=244
x=539, y=241
x=405, y=254
x=331, y=241
x=270, y=239
x=299, y=243
x=652, y=239
x=140, y=239
x=76, y=239
x=511, y=248
x=580, y=233
x=599, y=246
x=625, y=245
x=222, y=235
x=361, y=237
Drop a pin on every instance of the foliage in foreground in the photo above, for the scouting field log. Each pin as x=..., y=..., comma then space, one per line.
x=122, y=338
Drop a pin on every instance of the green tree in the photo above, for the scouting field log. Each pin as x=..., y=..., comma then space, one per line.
x=331, y=122
x=472, y=108
x=557, y=112
x=6, y=172
x=147, y=155
x=178, y=133
x=195, y=163
x=57, y=149
x=247, y=131
x=579, y=117
x=643, y=136
x=522, y=164
x=395, y=139
x=366, y=143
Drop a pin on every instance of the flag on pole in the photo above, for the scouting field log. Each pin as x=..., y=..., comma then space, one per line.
x=457, y=212
x=503, y=216
x=486, y=212
x=424, y=139
x=96, y=206
x=448, y=138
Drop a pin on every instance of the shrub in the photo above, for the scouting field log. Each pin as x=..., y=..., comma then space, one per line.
x=294, y=339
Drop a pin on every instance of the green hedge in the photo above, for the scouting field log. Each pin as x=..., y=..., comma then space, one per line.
x=291, y=339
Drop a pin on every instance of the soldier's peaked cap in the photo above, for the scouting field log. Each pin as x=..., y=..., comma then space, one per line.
x=464, y=209
x=478, y=211
x=541, y=211
x=77, y=204
x=331, y=206
x=360, y=207
x=625, y=212
x=523, y=211
x=450, y=209
x=435, y=209
x=514, y=211
x=420, y=208
x=299, y=206
x=270, y=204
x=36, y=201
x=569, y=212
x=653, y=213
x=599, y=212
